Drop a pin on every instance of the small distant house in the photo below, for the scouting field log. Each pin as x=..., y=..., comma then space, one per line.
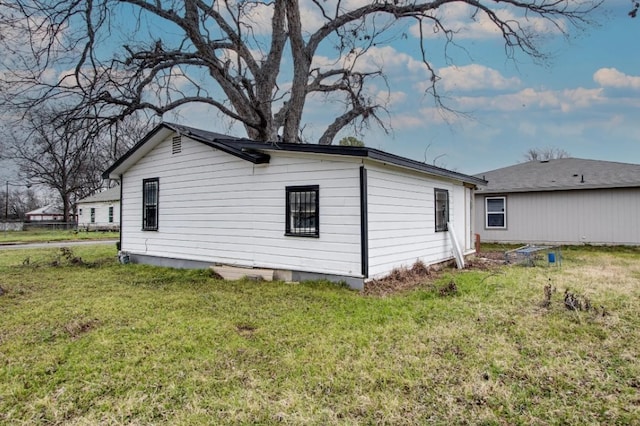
x=562, y=201
x=47, y=213
x=100, y=211
x=192, y=198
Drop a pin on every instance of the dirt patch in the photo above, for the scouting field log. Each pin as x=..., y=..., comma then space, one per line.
x=403, y=279
x=246, y=330
x=485, y=260
x=77, y=328
x=420, y=275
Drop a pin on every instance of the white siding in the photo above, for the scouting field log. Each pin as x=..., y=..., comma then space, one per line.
x=215, y=207
x=102, y=214
x=605, y=216
x=402, y=219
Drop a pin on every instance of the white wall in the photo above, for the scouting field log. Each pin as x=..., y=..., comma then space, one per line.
x=102, y=214
x=604, y=216
x=215, y=207
x=402, y=219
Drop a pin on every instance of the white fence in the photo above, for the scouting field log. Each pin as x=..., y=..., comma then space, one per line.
x=12, y=226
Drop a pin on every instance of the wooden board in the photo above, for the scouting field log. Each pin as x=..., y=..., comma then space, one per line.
x=236, y=273
x=457, y=252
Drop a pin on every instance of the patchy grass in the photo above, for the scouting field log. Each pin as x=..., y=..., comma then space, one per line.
x=95, y=342
x=43, y=236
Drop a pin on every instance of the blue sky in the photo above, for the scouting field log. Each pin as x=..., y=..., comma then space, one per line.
x=585, y=99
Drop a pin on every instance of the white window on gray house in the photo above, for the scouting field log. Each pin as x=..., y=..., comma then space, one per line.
x=496, y=211
x=303, y=211
x=93, y=215
x=441, y=209
x=110, y=214
x=150, y=190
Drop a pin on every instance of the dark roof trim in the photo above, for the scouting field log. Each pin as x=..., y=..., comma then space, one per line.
x=253, y=152
x=221, y=142
x=151, y=134
x=208, y=138
x=555, y=189
x=352, y=151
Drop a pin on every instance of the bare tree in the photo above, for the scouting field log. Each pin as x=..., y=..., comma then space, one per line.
x=59, y=155
x=20, y=202
x=635, y=5
x=544, y=154
x=255, y=62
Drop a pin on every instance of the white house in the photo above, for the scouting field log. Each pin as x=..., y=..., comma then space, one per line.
x=192, y=198
x=47, y=213
x=563, y=201
x=100, y=211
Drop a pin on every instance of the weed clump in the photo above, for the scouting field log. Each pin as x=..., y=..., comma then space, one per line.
x=401, y=279
x=448, y=289
x=571, y=301
x=549, y=289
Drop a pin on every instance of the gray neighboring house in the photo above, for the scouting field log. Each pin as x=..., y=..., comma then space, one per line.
x=100, y=211
x=563, y=201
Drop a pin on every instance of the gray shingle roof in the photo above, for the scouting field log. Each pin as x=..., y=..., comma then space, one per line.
x=561, y=174
x=112, y=194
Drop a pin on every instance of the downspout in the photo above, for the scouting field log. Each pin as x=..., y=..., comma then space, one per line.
x=121, y=191
x=364, y=224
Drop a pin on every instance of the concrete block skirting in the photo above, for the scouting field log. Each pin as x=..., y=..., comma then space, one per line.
x=355, y=283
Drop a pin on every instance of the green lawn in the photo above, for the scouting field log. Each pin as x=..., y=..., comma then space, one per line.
x=84, y=340
x=43, y=235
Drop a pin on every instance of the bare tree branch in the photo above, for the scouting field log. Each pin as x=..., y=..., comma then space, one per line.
x=232, y=55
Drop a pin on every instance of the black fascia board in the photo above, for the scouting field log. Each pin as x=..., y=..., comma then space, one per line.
x=207, y=138
x=353, y=151
x=215, y=140
x=252, y=151
x=254, y=157
x=151, y=134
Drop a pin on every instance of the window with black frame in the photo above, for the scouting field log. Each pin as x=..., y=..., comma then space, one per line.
x=110, y=214
x=150, y=189
x=303, y=211
x=441, y=209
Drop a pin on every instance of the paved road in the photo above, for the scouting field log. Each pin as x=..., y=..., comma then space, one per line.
x=54, y=244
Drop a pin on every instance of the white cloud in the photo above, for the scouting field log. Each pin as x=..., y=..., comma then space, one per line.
x=468, y=23
x=564, y=100
x=406, y=121
x=611, y=77
x=475, y=77
x=390, y=99
x=375, y=58
x=434, y=116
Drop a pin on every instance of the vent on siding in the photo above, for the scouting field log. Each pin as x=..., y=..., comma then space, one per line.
x=176, y=145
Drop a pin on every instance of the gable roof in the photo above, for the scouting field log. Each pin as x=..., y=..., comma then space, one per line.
x=48, y=210
x=111, y=194
x=258, y=152
x=561, y=174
